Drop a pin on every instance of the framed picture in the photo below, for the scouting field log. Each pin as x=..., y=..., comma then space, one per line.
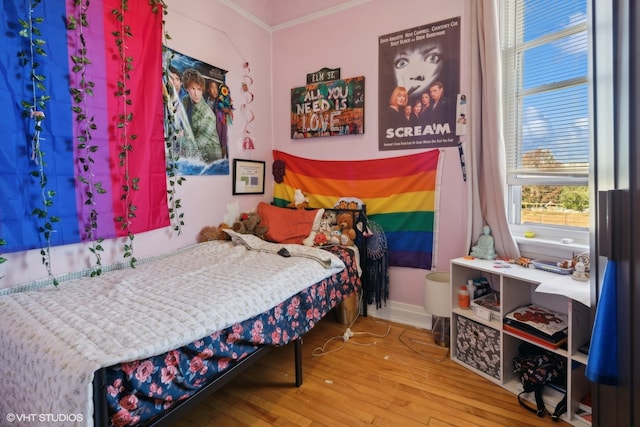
x=248, y=176
x=331, y=108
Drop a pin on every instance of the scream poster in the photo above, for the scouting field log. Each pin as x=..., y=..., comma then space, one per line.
x=419, y=71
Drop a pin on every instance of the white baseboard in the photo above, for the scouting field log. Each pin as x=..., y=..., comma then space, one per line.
x=407, y=314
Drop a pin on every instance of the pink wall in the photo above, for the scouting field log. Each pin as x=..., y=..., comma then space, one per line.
x=349, y=40
x=279, y=60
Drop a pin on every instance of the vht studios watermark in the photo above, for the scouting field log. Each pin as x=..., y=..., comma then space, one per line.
x=43, y=418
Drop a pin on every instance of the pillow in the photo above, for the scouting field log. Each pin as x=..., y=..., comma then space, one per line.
x=289, y=225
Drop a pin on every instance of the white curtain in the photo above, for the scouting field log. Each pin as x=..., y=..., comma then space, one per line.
x=486, y=142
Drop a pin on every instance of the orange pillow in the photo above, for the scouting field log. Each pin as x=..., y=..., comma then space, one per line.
x=288, y=225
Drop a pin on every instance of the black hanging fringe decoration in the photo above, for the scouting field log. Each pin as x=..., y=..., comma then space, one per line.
x=377, y=266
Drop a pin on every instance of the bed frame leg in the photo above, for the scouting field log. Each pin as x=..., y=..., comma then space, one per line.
x=298, y=361
x=100, y=405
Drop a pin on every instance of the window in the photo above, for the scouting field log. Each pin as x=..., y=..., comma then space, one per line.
x=546, y=112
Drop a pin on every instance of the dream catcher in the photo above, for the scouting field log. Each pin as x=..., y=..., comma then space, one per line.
x=377, y=265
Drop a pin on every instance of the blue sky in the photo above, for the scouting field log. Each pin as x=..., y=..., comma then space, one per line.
x=559, y=116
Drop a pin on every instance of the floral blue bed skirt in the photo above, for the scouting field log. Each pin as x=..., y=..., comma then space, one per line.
x=139, y=391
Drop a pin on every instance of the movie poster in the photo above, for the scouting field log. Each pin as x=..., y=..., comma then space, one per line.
x=419, y=71
x=200, y=104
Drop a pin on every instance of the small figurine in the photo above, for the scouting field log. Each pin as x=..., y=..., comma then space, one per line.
x=484, y=247
x=579, y=273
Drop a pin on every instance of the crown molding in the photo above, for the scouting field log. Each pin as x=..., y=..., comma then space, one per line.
x=251, y=17
x=294, y=22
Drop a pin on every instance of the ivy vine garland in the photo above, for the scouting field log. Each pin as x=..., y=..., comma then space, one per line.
x=125, y=117
x=172, y=133
x=2, y=259
x=77, y=23
x=33, y=109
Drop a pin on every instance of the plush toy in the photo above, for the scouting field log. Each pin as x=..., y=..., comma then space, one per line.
x=335, y=235
x=345, y=227
x=331, y=217
x=320, y=239
x=300, y=201
x=325, y=226
x=249, y=223
x=209, y=233
x=322, y=236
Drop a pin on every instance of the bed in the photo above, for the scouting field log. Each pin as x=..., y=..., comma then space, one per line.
x=137, y=346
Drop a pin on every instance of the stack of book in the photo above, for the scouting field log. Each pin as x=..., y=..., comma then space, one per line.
x=584, y=409
x=538, y=324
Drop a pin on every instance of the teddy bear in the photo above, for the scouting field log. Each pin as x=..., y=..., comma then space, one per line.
x=249, y=223
x=343, y=231
x=300, y=200
x=209, y=233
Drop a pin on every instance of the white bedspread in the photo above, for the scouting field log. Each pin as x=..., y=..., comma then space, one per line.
x=53, y=340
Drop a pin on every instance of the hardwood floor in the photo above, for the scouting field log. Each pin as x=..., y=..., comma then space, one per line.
x=383, y=376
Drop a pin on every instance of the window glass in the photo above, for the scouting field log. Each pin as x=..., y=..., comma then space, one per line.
x=546, y=111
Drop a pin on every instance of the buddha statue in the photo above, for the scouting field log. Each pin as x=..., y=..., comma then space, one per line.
x=484, y=247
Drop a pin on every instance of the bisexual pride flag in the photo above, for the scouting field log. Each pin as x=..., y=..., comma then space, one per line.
x=400, y=194
x=21, y=191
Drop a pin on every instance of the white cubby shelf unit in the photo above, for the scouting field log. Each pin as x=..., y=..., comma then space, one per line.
x=518, y=286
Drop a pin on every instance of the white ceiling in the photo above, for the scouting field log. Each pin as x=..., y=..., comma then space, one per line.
x=275, y=13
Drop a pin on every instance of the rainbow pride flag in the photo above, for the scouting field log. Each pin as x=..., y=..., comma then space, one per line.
x=399, y=193
x=20, y=191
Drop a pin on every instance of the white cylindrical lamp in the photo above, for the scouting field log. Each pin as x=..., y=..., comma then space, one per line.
x=437, y=302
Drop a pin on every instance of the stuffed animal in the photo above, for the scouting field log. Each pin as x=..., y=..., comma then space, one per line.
x=249, y=223
x=330, y=216
x=320, y=239
x=322, y=236
x=325, y=227
x=345, y=227
x=300, y=200
x=209, y=233
x=335, y=235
